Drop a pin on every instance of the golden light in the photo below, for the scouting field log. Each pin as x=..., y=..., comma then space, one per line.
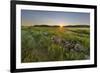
x=61, y=25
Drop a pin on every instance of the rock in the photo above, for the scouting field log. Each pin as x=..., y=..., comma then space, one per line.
x=68, y=45
x=65, y=42
x=78, y=47
x=72, y=46
x=56, y=40
x=45, y=33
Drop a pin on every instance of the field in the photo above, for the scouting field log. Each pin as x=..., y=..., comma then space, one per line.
x=40, y=44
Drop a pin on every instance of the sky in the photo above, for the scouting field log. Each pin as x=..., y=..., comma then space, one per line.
x=36, y=17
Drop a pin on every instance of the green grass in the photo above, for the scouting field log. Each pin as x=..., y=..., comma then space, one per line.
x=37, y=44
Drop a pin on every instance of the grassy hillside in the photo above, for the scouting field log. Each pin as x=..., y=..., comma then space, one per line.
x=40, y=44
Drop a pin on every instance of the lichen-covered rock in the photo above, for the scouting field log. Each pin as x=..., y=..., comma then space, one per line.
x=78, y=47
x=68, y=45
x=72, y=46
x=46, y=33
x=56, y=40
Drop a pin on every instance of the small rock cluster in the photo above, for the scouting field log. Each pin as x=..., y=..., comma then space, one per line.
x=68, y=45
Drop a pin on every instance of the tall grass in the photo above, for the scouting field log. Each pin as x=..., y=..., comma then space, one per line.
x=37, y=44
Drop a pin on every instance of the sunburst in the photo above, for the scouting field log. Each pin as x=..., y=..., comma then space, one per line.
x=61, y=26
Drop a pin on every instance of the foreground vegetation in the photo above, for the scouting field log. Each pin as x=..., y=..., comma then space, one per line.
x=40, y=44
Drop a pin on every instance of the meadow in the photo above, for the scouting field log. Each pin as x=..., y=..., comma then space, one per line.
x=43, y=44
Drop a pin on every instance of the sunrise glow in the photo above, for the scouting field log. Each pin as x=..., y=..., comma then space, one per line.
x=61, y=26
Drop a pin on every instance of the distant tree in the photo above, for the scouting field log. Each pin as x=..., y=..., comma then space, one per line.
x=44, y=25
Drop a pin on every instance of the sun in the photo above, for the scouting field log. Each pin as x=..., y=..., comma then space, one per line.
x=61, y=26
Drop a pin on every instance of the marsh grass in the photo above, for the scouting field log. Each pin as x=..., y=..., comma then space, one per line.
x=37, y=44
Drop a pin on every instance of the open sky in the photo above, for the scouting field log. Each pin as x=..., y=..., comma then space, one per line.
x=36, y=17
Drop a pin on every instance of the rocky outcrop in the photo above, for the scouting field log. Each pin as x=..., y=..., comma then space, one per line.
x=68, y=45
